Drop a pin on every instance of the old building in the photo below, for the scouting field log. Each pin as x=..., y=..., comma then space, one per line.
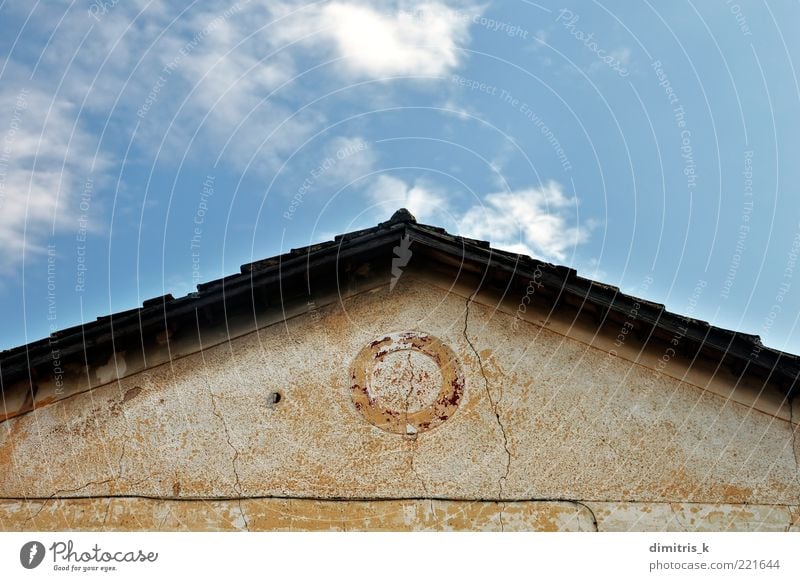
x=399, y=378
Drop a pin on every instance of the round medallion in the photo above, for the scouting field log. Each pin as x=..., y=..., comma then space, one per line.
x=406, y=383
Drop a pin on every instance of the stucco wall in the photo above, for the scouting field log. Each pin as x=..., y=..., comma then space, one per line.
x=547, y=423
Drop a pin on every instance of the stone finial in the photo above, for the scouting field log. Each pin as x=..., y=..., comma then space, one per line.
x=402, y=215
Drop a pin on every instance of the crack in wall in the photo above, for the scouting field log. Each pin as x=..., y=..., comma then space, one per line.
x=678, y=519
x=492, y=403
x=58, y=493
x=127, y=434
x=410, y=391
x=791, y=513
x=164, y=519
x=122, y=453
x=413, y=444
x=578, y=504
x=591, y=512
x=510, y=500
x=674, y=508
x=237, y=487
x=108, y=509
x=412, y=438
x=794, y=427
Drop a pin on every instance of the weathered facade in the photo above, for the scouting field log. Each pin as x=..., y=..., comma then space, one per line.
x=399, y=378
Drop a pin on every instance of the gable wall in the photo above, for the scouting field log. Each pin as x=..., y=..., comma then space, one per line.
x=549, y=424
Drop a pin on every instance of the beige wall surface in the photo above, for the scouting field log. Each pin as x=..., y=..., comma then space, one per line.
x=508, y=424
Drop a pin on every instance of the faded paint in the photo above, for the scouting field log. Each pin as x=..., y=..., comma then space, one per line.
x=399, y=398
x=119, y=514
x=279, y=514
x=542, y=413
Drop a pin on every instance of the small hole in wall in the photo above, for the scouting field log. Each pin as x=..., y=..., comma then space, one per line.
x=274, y=398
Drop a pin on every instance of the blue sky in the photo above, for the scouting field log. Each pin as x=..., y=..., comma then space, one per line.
x=146, y=148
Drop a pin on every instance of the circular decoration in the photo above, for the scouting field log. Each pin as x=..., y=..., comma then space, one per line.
x=406, y=383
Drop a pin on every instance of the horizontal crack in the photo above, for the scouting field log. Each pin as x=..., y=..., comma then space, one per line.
x=584, y=502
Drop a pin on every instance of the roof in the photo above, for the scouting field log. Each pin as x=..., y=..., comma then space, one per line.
x=271, y=281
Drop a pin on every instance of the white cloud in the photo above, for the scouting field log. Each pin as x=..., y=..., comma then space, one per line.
x=535, y=221
x=386, y=38
x=45, y=162
x=463, y=112
x=389, y=193
x=422, y=43
x=233, y=56
x=221, y=67
x=353, y=158
x=540, y=222
x=231, y=72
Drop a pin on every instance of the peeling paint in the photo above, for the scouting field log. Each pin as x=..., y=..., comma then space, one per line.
x=532, y=430
x=436, y=401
